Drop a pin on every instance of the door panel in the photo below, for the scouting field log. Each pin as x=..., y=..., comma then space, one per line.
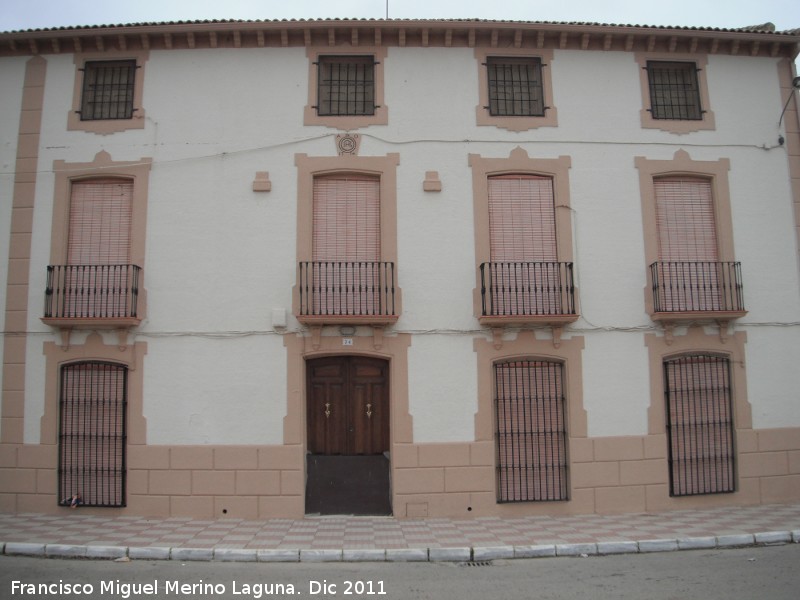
x=348, y=471
x=348, y=406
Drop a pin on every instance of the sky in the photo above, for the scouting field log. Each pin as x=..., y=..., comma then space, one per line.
x=38, y=14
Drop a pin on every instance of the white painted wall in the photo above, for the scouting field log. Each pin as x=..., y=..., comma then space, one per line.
x=219, y=257
x=616, y=383
x=442, y=388
x=200, y=390
x=773, y=379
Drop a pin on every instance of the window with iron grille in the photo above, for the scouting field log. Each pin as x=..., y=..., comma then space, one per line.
x=346, y=85
x=92, y=434
x=515, y=87
x=531, y=431
x=674, y=91
x=699, y=425
x=108, y=90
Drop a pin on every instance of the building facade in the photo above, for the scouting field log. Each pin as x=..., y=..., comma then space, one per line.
x=420, y=268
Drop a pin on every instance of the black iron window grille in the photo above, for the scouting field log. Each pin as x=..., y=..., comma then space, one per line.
x=699, y=425
x=92, y=434
x=346, y=85
x=674, y=91
x=527, y=289
x=108, y=90
x=340, y=288
x=92, y=291
x=515, y=87
x=697, y=286
x=530, y=416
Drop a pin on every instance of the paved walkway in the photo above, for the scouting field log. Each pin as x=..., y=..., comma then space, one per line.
x=74, y=533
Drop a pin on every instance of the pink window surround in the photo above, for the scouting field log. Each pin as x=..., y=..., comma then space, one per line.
x=515, y=123
x=98, y=244
x=360, y=201
x=504, y=188
x=108, y=126
x=679, y=126
x=311, y=115
x=688, y=239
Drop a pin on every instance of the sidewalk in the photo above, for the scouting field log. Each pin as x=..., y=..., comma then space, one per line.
x=73, y=534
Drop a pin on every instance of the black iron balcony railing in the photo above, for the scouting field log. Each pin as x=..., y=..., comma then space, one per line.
x=692, y=286
x=347, y=289
x=92, y=292
x=527, y=289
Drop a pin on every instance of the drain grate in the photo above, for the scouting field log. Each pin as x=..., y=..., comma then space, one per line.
x=475, y=563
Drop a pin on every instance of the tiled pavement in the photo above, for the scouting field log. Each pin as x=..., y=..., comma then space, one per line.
x=76, y=533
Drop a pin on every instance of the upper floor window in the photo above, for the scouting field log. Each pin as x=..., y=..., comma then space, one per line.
x=108, y=90
x=347, y=241
x=345, y=91
x=675, y=94
x=674, y=90
x=523, y=240
x=515, y=87
x=346, y=85
x=689, y=239
x=515, y=90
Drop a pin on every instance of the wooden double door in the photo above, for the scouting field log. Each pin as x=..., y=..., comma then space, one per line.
x=348, y=467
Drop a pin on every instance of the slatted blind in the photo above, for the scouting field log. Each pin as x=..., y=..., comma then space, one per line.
x=92, y=433
x=346, y=221
x=100, y=222
x=522, y=218
x=531, y=431
x=699, y=425
x=687, y=228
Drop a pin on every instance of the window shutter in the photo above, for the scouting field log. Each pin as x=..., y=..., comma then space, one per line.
x=346, y=219
x=685, y=218
x=522, y=219
x=100, y=222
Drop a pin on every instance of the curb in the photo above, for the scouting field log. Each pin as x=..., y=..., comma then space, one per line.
x=458, y=555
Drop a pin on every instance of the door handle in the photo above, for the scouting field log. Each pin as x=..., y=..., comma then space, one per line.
x=327, y=410
x=369, y=411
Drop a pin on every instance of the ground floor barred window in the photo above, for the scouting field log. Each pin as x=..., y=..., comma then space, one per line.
x=92, y=434
x=531, y=432
x=699, y=425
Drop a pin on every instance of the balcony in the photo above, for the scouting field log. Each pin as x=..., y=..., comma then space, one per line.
x=692, y=290
x=516, y=293
x=347, y=293
x=92, y=296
